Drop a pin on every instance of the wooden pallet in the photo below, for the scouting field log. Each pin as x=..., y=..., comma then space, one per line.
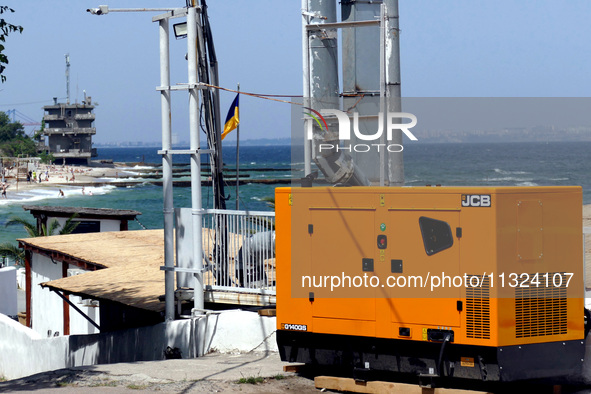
x=295, y=368
x=377, y=387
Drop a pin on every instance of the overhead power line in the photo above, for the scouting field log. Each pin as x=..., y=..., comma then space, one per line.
x=30, y=102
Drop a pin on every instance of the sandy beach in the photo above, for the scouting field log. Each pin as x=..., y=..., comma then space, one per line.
x=57, y=176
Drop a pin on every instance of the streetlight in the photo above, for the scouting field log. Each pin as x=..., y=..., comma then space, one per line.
x=101, y=10
x=190, y=30
x=180, y=30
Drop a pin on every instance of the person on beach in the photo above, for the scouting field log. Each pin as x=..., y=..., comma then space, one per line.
x=4, y=187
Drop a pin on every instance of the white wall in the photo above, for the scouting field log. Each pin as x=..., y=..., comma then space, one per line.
x=24, y=352
x=78, y=324
x=47, y=307
x=8, y=300
x=21, y=278
x=110, y=225
x=239, y=331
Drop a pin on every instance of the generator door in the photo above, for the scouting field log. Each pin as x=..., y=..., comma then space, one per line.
x=341, y=240
x=424, y=252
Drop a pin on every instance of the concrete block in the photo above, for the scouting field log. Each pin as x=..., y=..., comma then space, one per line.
x=8, y=287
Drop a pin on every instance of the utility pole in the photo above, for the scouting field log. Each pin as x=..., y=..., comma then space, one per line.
x=238, y=156
x=67, y=78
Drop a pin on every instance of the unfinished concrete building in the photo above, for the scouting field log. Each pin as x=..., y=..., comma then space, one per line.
x=69, y=130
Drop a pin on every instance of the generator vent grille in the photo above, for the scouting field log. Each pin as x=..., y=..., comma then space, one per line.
x=541, y=310
x=478, y=308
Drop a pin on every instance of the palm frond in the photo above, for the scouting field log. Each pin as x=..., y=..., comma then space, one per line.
x=12, y=251
x=53, y=226
x=269, y=200
x=31, y=228
x=70, y=225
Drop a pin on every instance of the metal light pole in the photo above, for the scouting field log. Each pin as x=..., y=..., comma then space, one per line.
x=167, y=152
x=306, y=90
x=393, y=85
x=168, y=204
x=196, y=208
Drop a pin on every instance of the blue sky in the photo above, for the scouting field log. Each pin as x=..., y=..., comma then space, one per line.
x=449, y=48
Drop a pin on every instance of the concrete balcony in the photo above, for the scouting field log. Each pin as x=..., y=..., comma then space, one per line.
x=84, y=116
x=41, y=147
x=75, y=153
x=54, y=117
x=70, y=131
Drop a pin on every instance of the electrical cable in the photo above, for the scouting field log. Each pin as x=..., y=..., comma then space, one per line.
x=140, y=223
x=270, y=96
x=278, y=95
x=440, y=360
x=262, y=96
x=31, y=102
x=25, y=117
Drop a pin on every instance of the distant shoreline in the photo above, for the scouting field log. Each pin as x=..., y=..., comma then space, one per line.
x=287, y=142
x=184, y=144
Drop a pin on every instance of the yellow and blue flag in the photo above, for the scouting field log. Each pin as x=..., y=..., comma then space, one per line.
x=232, y=119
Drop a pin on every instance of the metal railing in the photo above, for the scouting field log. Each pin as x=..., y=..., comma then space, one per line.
x=74, y=150
x=69, y=130
x=239, y=251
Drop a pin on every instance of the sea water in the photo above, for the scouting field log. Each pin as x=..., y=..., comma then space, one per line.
x=457, y=164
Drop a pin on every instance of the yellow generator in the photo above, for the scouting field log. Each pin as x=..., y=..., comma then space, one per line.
x=480, y=283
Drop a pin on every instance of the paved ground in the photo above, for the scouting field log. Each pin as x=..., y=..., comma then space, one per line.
x=214, y=373
x=221, y=373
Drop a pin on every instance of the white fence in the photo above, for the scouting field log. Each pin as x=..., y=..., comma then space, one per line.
x=239, y=250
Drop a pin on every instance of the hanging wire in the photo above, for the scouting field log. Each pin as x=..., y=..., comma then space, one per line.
x=271, y=96
x=257, y=95
x=26, y=118
x=242, y=202
x=30, y=102
x=143, y=227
